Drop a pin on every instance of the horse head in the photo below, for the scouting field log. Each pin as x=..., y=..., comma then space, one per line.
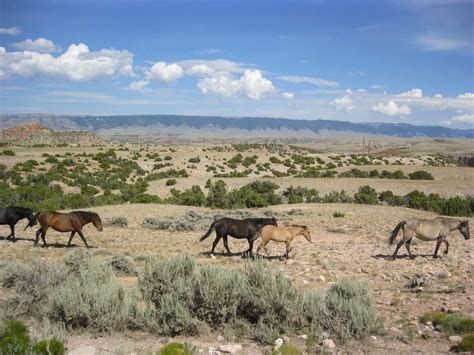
x=306, y=233
x=97, y=222
x=31, y=218
x=464, y=229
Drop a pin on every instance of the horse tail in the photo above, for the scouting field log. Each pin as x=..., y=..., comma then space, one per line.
x=208, y=233
x=394, y=233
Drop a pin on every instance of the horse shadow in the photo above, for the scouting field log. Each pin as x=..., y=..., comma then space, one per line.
x=64, y=246
x=389, y=256
x=245, y=255
x=223, y=253
x=16, y=239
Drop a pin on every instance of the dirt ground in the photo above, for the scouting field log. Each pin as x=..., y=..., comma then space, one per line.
x=354, y=246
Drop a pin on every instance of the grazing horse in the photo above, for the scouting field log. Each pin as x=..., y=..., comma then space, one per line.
x=66, y=222
x=428, y=230
x=11, y=215
x=237, y=228
x=282, y=234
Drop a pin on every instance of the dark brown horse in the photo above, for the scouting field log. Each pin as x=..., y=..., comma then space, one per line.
x=66, y=222
x=237, y=228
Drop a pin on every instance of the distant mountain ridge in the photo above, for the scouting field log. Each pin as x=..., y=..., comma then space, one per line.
x=147, y=124
x=34, y=134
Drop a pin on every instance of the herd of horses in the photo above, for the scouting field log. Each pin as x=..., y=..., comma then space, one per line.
x=266, y=229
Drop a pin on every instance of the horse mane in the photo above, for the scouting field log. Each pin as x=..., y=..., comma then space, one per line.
x=85, y=214
x=257, y=220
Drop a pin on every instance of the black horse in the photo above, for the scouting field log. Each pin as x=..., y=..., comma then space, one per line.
x=237, y=228
x=12, y=214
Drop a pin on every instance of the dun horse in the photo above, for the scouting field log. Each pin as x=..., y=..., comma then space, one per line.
x=283, y=235
x=237, y=228
x=11, y=215
x=66, y=222
x=428, y=230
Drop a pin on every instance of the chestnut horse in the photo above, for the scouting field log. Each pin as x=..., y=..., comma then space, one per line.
x=66, y=222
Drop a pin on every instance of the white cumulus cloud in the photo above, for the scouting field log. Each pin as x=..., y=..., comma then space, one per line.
x=41, y=45
x=343, y=103
x=466, y=119
x=467, y=95
x=12, y=31
x=412, y=93
x=252, y=84
x=165, y=72
x=78, y=63
x=200, y=70
x=288, y=95
x=392, y=109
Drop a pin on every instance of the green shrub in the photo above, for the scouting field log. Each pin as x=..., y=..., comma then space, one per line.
x=420, y=175
x=338, y=214
x=9, y=153
x=449, y=322
x=388, y=197
x=15, y=339
x=366, y=195
x=177, y=349
x=194, y=160
x=456, y=206
x=287, y=349
x=466, y=344
x=170, y=182
x=49, y=347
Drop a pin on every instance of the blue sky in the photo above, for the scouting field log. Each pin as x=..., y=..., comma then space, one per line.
x=370, y=61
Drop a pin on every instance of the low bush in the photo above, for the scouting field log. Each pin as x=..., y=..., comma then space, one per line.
x=421, y=175
x=466, y=344
x=49, y=347
x=185, y=295
x=91, y=299
x=170, y=182
x=338, y=214
x=123, y=265
x=366, y=195
x=15, y=339
x=287, y=349
x=121, y=222
x=450, y=323
x=177, y=349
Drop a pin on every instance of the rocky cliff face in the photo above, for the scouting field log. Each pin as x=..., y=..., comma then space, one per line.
x=31, y=134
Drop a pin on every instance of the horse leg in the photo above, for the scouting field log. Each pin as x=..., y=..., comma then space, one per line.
x=447, y=247
x=43, y=236
x=407, y=246
x=438, y=243
x=38, y=232
x=226, y=245
x=70, y=238
x=249, y=251
x=82, y=237
x=12, y=233
x=214, y=243
x=399, y=245
x=288, y=249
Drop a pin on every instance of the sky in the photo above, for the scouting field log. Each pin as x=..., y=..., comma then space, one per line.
x=360, y=61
